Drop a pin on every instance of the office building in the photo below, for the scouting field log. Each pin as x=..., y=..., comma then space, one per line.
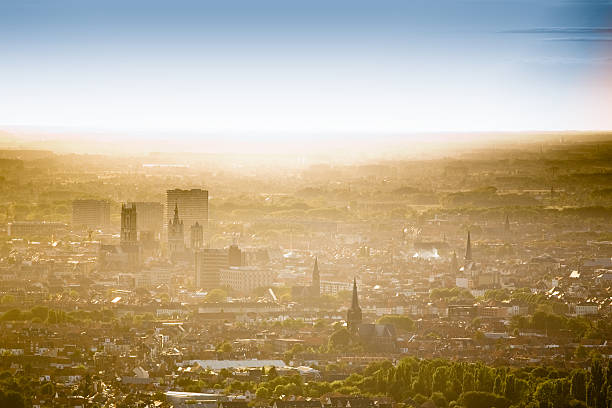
x=193, y=205
x=91, y=214
x=150, y=217
x=208, y=264
x=245, y=279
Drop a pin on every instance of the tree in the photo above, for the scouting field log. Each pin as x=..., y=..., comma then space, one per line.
x=578, y=385
x=216, y=296
x=262, y=393
x=480, y=399
x=272, y=374
x=341, y=338
x=400, y=322
x=596, y=392
x=224, y=347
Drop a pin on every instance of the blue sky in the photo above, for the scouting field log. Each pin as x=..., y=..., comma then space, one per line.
x=306, y=66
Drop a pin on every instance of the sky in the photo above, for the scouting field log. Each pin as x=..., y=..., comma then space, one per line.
x=261, y=67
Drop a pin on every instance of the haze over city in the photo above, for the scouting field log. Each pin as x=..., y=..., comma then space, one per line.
x=306, y=204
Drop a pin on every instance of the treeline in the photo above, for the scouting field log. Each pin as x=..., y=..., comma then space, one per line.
x=447, y=384
x=43, y=314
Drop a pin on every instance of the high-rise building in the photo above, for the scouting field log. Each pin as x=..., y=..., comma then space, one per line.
x=197, y=236
x=150, y=217
x=193, y=205
x=176, y=235
x=91, y=213
x=208, y=265
x=353, y=315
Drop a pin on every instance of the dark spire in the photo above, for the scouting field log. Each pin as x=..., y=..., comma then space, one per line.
x=468, y=248
x=316, y=279
x=176, y=214
x=355, y=302
x=353, y=315
x=507, y=225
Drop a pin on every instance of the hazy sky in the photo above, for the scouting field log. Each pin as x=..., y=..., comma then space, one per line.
x=315, y=65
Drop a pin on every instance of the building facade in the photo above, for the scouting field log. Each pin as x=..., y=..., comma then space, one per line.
x=245, y=279
x=150, y=217
x=208, y=265
x=91, y=214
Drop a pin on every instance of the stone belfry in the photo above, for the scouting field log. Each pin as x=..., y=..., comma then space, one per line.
x=128, y=223
x=353, y=315
x=197, y=236
x=315, y=288
x=129, y=235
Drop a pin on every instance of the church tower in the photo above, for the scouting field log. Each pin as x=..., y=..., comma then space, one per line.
x=176, y=235
x=353, y=315
x=129, y=235
x=197, y=236
x=316, y=280
x=468, y=249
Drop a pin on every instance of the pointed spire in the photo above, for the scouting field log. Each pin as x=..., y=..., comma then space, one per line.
x=316, y=279
x=176, y=214
x=507, y=224
x=353, y=315
x=355, y=302
x=468, y=248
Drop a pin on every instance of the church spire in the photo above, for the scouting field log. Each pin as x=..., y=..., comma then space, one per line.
x=353, y=315
x=355, y=302
x=507, y=225
x=468, y=248
x=316, y=279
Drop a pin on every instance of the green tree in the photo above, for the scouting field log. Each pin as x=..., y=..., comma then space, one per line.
x=578, y=385
x=339, y=339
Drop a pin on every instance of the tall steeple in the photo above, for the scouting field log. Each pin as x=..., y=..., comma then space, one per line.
x=507, y=225
x=176, y=235
x=468, y=248
x=353, y=315
x=316, y=279
x=176, y=216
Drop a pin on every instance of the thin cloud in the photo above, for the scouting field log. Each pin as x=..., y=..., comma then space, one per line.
x=561, y=30
x=567, y=61
x=580, y=39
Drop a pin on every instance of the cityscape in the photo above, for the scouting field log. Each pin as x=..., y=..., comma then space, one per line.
x=323, y=285
x=305, y=204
